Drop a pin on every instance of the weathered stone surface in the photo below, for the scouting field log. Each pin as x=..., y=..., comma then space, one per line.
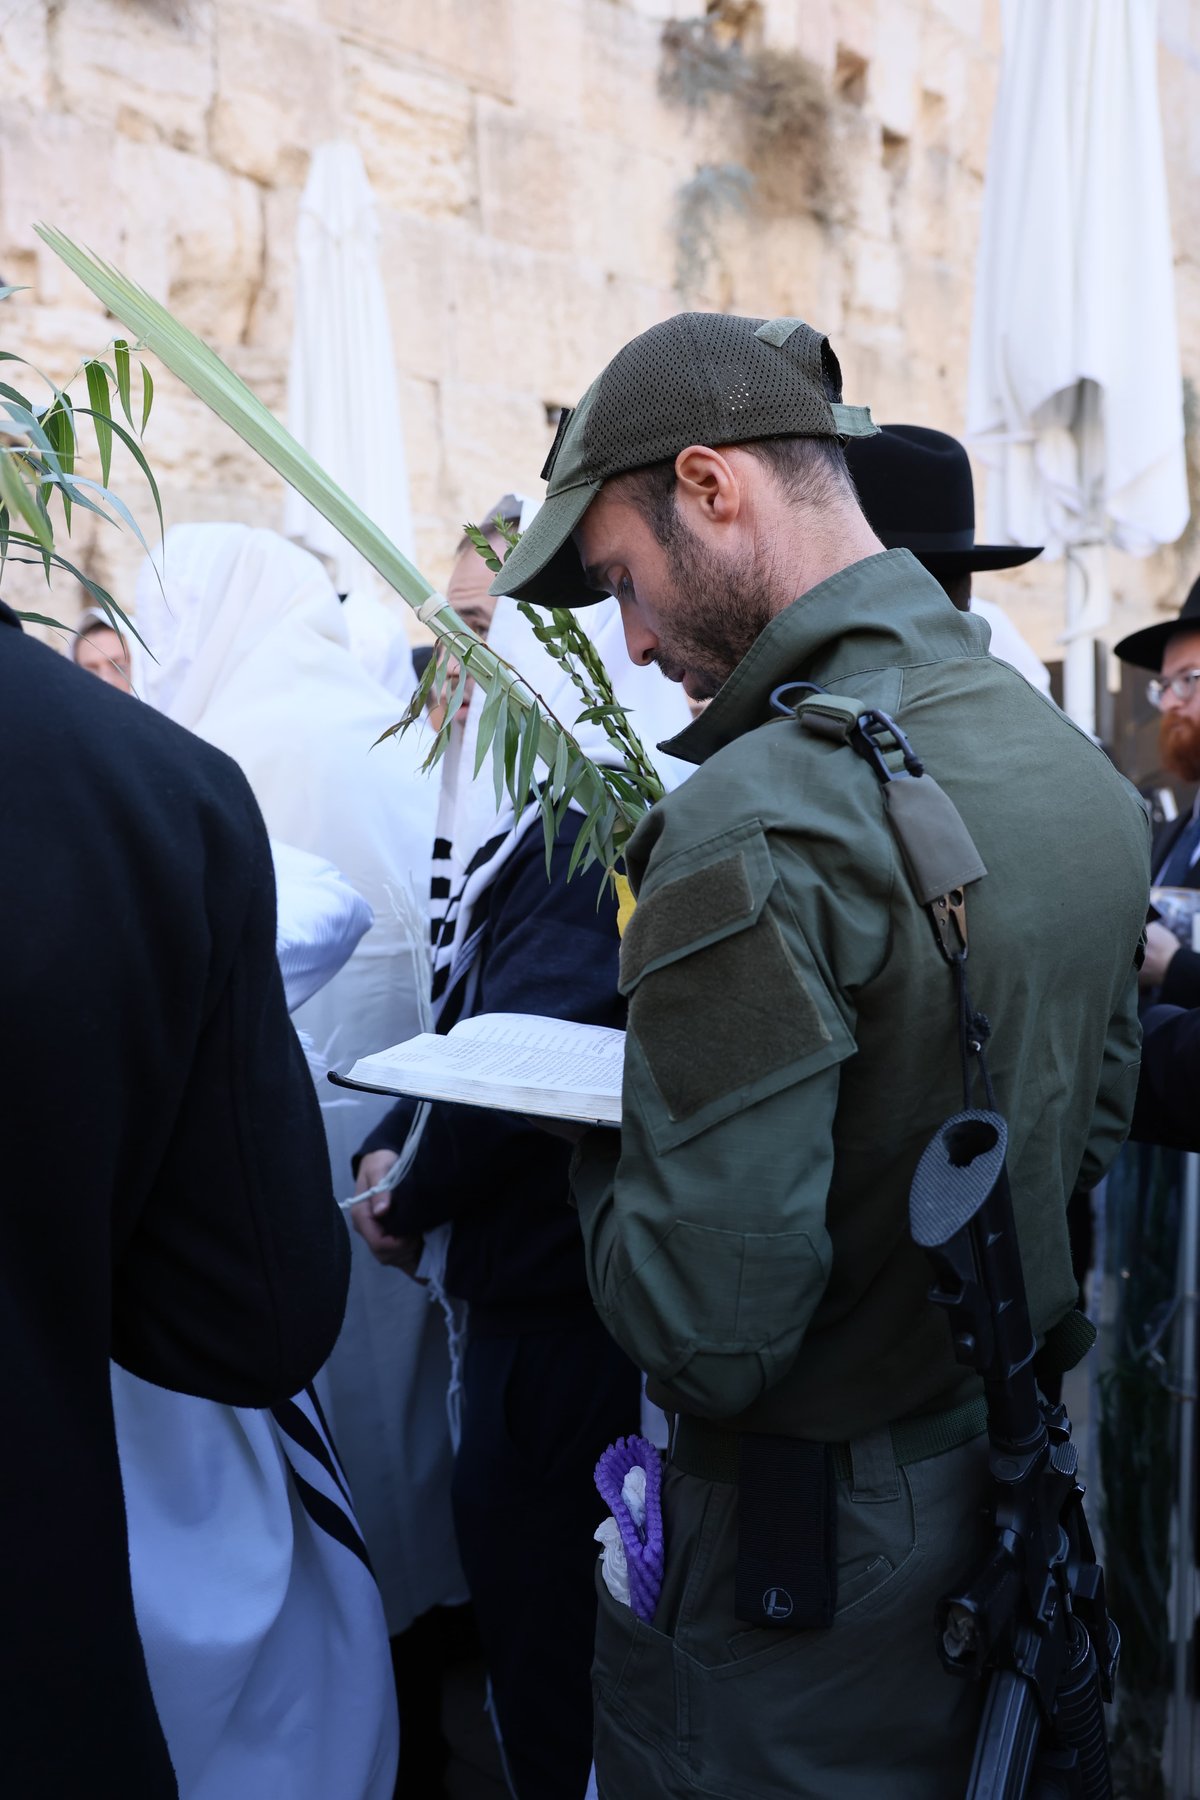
x=25, y=59
x=148, y=69
x=470, y=39
x=416, y=134
x=278, y=91
x=528, y=172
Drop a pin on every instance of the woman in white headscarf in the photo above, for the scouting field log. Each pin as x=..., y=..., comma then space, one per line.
x=252, y=653
x=544, y=1388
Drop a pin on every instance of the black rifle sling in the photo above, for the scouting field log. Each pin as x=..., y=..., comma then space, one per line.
x=941, y=861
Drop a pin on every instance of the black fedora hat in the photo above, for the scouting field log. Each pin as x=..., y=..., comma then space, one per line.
x=1144, y=649
x=916, y=490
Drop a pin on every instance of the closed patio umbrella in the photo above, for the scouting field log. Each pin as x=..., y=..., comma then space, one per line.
x=343, y=403
x=1075, y=398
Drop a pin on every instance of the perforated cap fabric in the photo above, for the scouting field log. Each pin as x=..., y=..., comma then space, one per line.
x=698, y=378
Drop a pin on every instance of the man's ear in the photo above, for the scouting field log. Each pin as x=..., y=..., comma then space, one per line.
x=705, y=484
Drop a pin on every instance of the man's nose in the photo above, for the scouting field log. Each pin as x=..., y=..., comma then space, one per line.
x=1170, y=701
x=640, y=641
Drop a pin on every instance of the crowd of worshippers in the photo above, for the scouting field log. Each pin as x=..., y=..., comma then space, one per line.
x=306, y=1571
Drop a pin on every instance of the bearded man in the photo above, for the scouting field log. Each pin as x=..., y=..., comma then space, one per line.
x=792, y=1048
x=1171, y=650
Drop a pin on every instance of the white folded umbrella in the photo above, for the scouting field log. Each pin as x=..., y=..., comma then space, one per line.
x=1075, y=398
x=343, y=402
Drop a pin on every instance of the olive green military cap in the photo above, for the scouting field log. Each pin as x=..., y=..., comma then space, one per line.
x=699, y=378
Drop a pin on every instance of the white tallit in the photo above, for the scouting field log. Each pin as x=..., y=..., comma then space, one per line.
x=253, y=655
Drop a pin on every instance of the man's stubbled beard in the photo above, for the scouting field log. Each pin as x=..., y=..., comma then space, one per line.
x=1179, y=745
x=715, y=612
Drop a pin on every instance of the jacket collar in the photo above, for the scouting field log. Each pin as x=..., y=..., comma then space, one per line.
x=884, y=612
x=9, y=617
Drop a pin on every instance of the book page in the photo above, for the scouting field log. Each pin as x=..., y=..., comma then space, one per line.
x=521, y=1050
x=511, y=1061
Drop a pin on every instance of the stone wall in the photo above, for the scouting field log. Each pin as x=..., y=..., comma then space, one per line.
x=541, y=201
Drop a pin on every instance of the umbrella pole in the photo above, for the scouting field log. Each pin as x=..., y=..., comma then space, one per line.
x=1087, y=612
x=1185, y=1393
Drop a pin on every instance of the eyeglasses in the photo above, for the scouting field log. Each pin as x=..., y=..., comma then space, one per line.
x=1181, y=685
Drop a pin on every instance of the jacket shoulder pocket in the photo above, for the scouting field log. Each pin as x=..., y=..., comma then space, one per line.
x=727, y=1005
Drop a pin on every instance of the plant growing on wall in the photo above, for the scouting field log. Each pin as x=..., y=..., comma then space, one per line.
x=516, y=727
x=41, y=480
x=777, y=113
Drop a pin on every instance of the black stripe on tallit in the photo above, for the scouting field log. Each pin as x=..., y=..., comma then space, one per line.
x=441, y=849
x=296, y=1425
x=310, y=1394
x=328, y=1516
x=439, y=887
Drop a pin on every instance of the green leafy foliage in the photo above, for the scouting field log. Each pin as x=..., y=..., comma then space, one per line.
x=520, y=728
x=39, y=461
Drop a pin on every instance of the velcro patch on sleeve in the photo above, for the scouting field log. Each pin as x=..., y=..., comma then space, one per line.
x=684, y=912
x=722, y=1019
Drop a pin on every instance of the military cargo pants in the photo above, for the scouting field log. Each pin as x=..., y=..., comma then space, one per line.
x=698, y=1704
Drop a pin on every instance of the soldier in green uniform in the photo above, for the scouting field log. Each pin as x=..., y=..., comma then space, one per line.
x=792, y=1048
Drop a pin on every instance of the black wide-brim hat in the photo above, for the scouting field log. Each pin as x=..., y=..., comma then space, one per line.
x=1144, y=649
x=916, y=489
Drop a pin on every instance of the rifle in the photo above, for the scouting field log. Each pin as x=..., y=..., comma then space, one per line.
x=1031, y=1619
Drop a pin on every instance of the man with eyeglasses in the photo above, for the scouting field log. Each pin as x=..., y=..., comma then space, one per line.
x=1172, y=650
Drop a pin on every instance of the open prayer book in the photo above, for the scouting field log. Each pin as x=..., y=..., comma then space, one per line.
x=512, y=1062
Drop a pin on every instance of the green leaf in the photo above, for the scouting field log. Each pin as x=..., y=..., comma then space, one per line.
x=138, y=454
x=147, y=397
x=121, y=357
x=489, y=719
x=477, y=539
x=527, y=760
x=549, y=826
x=562, y=762
x=6, y=291
x=101, y=412
x=21, y=502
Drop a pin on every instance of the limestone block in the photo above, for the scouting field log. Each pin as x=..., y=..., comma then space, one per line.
x=149, y=70
x=277, y=94
x=976, y=124
x=943, y=66
x=937, y=312
x=865, y=192
x=415, y=257
x=815, y=36
x=548, y=56
x=416, y=134
x=494, y=440
x=892, y=82
x=856, y=27
x=877, y=277
x=25, y=58
x=205, y=225
x=966, y=16
x=469, y=39
x=622, y=60
x=420, y=418
x=270, y=316
x=623, y=209
x=56, y=168
x=529, y=177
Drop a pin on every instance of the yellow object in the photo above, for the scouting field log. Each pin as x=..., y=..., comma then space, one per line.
x=625, y=902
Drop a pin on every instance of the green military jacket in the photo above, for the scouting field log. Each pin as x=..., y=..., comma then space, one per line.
x=792, y=1042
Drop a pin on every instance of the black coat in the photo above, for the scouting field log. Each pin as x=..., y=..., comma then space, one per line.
x=1168, y=1094
x=1181, y=986
x=548, y=947
x=167, y=1198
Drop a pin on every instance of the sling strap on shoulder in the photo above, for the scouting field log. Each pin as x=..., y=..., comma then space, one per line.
x=942, y=861
x=939, y=853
